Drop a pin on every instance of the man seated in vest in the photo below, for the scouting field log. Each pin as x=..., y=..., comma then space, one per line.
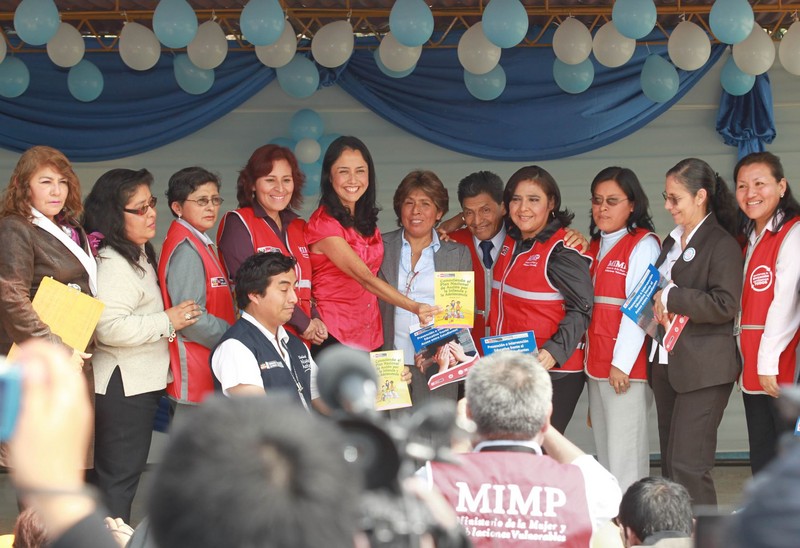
x=656, y=512
x=506, y=492
x=257, y=355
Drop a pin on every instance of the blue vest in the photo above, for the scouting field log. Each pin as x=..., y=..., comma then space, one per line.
x=274, y=372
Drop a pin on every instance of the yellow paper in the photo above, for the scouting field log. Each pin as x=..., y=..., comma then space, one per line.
x=454, y=292
x=392, y=390
x=70, y=314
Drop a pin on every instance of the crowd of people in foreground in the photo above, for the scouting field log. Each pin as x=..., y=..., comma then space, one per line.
x=170, y=323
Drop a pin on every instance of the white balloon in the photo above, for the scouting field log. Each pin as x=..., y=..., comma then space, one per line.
x=2, y=46
x=209, y=47
x=307, y=150
x=332, y=45
x=688, y=46
x=572, y=42
x=475, y=52
x=66, y=48
x=789, y=49
x=138, y=46
x=756, y=53
x=397, y=57
x=612, y=49
x=282, y=51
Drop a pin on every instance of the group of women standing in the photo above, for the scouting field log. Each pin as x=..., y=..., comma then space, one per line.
x=362, y=289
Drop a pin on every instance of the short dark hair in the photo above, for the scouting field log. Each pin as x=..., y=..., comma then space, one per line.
x=656, y=504
x=630, y=185
x=187, y=180
x=256, y=272
x=365, y=218
x=254, y=472
x=787, y=204
x=542, y=178
x=481, y=182
x=261, y=164
x=694, y=174
x=426, y=181
x=104, y=213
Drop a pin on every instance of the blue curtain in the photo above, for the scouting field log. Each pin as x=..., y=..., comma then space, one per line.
x=137, y=111
x=747, y=121
x=532, y=120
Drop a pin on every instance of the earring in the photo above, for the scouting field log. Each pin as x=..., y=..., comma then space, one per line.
x=781, y=194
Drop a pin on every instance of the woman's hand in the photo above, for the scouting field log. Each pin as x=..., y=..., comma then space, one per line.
x=576, y=240
x=546, y=359
x=618, y=380
x=77, y=358
x=770, y=385
x=426, y=313
x=405, y=374
x=659, y=311
x=183, y=314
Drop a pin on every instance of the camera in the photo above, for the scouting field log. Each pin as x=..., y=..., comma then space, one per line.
x=10, y=393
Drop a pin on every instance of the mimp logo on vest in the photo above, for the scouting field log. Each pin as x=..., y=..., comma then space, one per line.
x=617, y=267
x=533, y=260
x=761, y=278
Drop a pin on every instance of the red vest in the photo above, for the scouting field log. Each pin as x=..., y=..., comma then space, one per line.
x=265, y=240
x=523, y=297
x=609, y=275
x=192, y=378
x=757, y=294
x=516, y=499
x=480, y=328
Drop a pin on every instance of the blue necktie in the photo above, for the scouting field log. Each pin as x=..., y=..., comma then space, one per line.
x=486, y=247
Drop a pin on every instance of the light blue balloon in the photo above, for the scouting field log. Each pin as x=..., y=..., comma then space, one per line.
x=306, y=124
x=262, y=22
x=731, y=21
x=486, y=87
x=505, y=22
x=573, y=78
x=283, y=142
x=659, y=79
x=85, y=81
x=388, y=72
x=190, y=78
x=299, y=77
x=36, y=21
x=634, y=18
x=411, y=22
x=174, y=23
x=313, y=174
x=325, y=141
x=14, y=77
x=734, y=81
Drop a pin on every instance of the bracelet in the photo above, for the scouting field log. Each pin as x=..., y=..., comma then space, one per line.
x=86, y=491
x=172, y=333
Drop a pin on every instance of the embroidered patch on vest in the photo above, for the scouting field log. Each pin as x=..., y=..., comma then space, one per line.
x=270, y=365
x=761, y=278
x=268, y=249
x=533, y=260
x=219, y=281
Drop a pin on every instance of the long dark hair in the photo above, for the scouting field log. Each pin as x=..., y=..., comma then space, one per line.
x=365, y=218
x=787, y=204
x=104, y=213
x=629, y=183
x=547, y=183
x=695, y=174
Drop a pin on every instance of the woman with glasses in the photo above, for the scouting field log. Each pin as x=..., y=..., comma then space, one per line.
x=540, y=284
x=269, y=190
x=189, y=270
x=623, y=245
x=412, y=255
x=770, y=315
x=347, y=251
x=131, y=360
x=702, y=264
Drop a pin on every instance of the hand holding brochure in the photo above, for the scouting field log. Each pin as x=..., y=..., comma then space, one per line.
x=639, y=308
x=445, y=355
x=454, y=293
x=392, y=390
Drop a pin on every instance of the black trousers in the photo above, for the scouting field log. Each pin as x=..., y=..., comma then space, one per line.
x=687, y=432
x=764, y=428
x=567, y=389
x=123, y=431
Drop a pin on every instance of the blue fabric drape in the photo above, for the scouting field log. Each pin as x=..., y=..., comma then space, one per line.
x=747, y=121
x=532, y=120
x=137, y=111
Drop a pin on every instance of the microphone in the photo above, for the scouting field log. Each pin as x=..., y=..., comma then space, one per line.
x=347, y=380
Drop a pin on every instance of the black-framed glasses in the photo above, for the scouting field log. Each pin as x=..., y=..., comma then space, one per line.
x=671, y=199
x=151, y=203
x=611, y=201
x=205, y=200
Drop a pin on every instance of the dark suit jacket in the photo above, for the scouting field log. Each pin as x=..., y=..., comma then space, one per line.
x=709, y=288
x=450, y=257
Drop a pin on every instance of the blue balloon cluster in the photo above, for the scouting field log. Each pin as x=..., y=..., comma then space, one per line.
x=299, y=77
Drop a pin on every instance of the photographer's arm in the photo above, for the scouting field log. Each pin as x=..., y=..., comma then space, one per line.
x=48, y=449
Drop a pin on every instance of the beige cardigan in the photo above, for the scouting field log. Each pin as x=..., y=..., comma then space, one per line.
x=133, y=330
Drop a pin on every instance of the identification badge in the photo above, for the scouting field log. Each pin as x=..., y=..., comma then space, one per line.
x=689, y=254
